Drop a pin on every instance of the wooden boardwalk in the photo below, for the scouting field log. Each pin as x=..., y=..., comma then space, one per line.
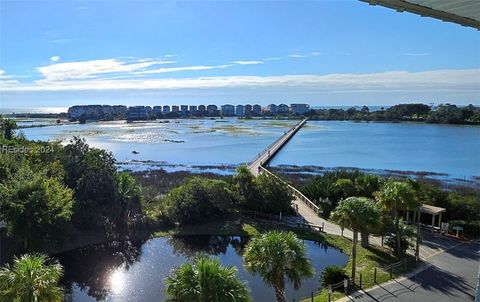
x=268, y=153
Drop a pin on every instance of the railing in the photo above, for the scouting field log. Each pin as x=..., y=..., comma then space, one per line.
x=286, y=134
x=296, y=192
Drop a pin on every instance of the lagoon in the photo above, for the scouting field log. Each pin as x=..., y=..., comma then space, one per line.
x=451, y=150
x=134, y=271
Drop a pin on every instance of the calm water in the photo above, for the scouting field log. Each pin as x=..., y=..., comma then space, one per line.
x=125, y=271
x=454, y=150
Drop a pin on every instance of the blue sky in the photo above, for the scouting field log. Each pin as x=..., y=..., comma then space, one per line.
x=60, y=53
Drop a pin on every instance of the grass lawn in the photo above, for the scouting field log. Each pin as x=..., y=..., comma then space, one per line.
x=367, y=258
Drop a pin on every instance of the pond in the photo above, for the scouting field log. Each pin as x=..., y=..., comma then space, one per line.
x=134, y=271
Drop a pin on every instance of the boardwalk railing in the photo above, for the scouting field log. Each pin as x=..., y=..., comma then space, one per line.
x=296, y=192
x=289, y=133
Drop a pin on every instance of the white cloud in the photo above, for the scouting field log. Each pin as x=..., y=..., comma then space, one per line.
x=296, y=55
x=315, y=53
x=272, y=59
x=55, y=58
x=461, y=81
x=91, y=69
x=247, y=62
x=170, y=56
x=183, y=68
x=416, y=54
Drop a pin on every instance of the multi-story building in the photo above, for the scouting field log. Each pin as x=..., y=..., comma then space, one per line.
x=157, y=111
x=257, y=110
x=139, y=112
x=97, y=112
x=272, y=108
x=183, y=109
x=228, y=110
x=175, y=108
x=212, y=109
x=248, y=110
x=299, y=108
x=283, y=108
x=166, y=109
x=240, y=110
x=201, y=109
x=192, y=109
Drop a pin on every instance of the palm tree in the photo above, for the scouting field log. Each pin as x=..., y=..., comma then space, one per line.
x=128, y=194
x=206, y=280
x=31, y=278
x=359, y=214
x=277, y=256
x=397, y=196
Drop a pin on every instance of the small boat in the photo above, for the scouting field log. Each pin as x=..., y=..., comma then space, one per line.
x=135, y=152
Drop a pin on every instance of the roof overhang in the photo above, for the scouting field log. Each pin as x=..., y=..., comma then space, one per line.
x=432, y=210
x=463, y=12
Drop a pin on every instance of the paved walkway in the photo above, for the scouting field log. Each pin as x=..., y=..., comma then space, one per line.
x=451, y=275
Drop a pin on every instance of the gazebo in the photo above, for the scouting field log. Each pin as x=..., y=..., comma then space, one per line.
x=430, y=210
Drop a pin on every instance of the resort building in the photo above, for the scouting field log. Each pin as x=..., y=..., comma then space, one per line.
x=184, y=109
x=248, y=110
x=97, y=112
x=175, y=108
x=212, y=109
x=299, y=108
x=157, y=111
x=201, y=109
x=192, y=109
x=139, y=112
x=257, y=110
x=166, y=109
x=272, y=108
x=240, y=110
x=228, y=110
x=283, y=108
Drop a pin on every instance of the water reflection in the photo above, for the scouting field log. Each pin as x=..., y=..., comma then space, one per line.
x=99, y=269
x=135, y=271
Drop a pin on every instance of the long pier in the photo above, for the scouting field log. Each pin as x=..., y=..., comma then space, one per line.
x=268, y=153
x=300, y=202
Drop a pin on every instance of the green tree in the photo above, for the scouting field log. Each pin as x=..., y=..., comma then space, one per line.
x=275, y=196
x=245, y=187
x=396, y=196
x=206, y=280
x=407, y=233
x=31, y=278
x=35, y=207
x=277, y=256
x=128, y=195
x=198, y=200
x=8, y=127
x=359, y=214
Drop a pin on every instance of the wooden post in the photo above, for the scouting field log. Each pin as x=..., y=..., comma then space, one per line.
x=311, y=297
x=405, y=264
x=375, y=275
x=391, y=272
x=360, y=281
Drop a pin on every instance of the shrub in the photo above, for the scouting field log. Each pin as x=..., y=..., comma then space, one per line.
x=332, y=274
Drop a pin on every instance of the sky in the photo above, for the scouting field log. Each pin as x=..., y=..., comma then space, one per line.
x=327, y=53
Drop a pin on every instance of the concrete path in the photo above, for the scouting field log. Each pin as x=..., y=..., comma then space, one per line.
x=451, y=275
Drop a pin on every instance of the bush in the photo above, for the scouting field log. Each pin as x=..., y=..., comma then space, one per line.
x=198, y=200
x=332, y=274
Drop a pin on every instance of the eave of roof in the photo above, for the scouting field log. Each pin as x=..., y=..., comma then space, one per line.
x=426, y=11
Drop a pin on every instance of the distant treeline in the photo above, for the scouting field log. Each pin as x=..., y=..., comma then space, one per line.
x=443, y=114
